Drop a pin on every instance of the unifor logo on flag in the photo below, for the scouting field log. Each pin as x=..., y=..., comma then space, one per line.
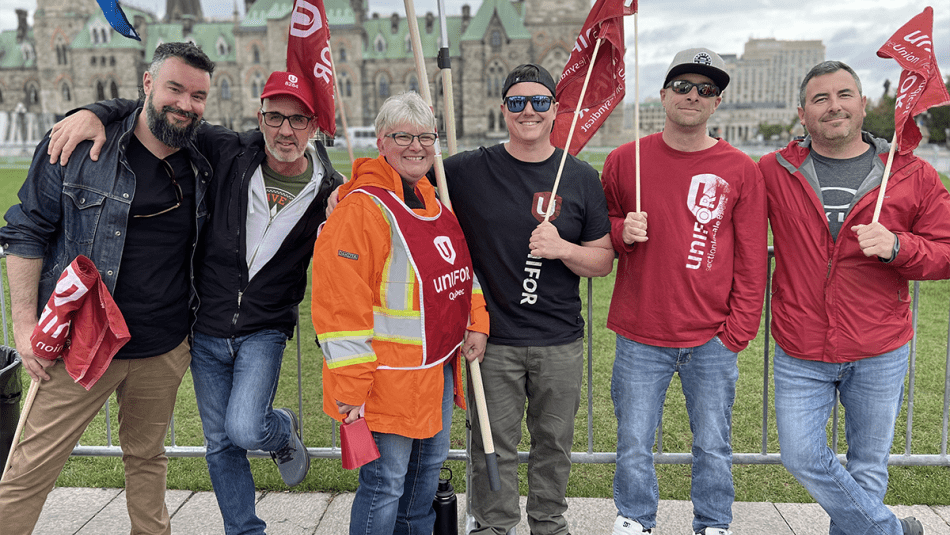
x=606, y=87
x=308, y=56
x=921, y=86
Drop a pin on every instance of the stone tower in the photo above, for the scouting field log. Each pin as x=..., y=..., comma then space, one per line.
x=56, y=24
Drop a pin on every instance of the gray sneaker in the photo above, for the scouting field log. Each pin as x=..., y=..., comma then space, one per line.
x=292, y=460
x=912, y=526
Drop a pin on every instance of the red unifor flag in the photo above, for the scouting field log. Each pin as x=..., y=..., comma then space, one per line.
x=308, y=56
x=921, y=86
x=606, y=87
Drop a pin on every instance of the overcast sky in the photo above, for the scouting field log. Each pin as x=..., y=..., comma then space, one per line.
x=851, y=30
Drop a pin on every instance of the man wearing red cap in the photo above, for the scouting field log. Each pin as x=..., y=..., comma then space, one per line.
x=266, y=200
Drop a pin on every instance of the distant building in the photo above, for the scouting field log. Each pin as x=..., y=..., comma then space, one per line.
x=71, y=57
x=764, y=86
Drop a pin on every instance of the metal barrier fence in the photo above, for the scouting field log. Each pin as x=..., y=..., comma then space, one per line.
x=763, y=456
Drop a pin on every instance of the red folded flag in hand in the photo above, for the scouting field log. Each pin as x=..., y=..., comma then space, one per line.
x=81, y=323
x=357, y=445
x=308, y=56
x=607, y=85
x=921, y=86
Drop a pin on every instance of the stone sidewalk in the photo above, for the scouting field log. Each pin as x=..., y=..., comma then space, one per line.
x=86, y=511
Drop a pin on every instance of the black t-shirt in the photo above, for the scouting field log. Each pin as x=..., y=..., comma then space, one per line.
x=499, y=201
x=840, y=180
x=151, y=289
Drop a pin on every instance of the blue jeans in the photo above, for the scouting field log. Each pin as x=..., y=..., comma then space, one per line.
x=235, y=381
x=641, y=377
x=396, y=491
x=871, y=391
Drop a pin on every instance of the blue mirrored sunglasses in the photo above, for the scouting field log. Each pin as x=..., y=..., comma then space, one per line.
x=540, y=103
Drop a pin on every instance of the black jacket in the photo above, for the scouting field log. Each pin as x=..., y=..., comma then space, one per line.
x=228, y=304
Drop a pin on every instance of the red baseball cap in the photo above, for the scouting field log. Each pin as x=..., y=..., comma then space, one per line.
x=288, y=83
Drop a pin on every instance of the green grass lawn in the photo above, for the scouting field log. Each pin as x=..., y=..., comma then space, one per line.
x=908, y=485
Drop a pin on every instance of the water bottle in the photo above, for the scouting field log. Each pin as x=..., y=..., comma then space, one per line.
x=446, y=506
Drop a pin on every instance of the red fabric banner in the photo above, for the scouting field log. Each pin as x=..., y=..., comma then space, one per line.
x=607, y=86
x=308, y=56
x=921, y=86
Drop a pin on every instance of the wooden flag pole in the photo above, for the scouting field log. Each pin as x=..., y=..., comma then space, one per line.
x=636, y=106
x=24, y=414
x=339, y=104
x=491, y=458
x=887, y=173
x=570, y=133
x=448, y=93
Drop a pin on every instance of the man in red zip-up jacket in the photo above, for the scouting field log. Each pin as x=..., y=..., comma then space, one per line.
x=841, y=319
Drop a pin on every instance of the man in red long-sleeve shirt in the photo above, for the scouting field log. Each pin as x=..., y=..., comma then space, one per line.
x=689, y=290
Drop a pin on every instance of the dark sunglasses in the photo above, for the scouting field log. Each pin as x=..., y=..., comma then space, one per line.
x=540, y=103
x=179, y=196
x=704, y=89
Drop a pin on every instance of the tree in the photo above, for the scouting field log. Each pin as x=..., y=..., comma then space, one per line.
x=938, y=121
x=880, y=118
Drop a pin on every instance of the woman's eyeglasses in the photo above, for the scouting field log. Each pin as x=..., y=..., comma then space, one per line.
x=404, y=139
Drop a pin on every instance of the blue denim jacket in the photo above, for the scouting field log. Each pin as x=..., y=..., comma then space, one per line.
x=83, y=208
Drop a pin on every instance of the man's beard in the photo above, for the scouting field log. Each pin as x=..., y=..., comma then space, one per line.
x=169, y=134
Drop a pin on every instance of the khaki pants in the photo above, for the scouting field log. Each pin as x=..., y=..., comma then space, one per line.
x=146, y=390
x=549, y=379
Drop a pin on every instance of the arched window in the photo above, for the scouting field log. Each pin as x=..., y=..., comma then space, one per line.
x=257, y=86
x=494, y=79
x=495, y=39
x=342, y=55
x=348, y=88
x=225, y=89
x=114, y=89
x=413, y=84
x=491, y=121
x=100, y=91
x=255, y=55
x=92, y=60
x=379, y=44
x=32, y=95
x=66, y=93
x=112, y=61
x=383, y=86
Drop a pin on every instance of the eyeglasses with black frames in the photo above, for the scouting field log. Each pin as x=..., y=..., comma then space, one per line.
x=540, y=103
x=274, y=119
x=179, y=196
x=704, y=89
x=404, y=139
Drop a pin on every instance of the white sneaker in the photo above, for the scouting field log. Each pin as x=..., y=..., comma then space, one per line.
x=714, y=531
x=625, y=526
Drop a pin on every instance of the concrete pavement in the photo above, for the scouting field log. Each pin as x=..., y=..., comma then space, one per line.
x=90, y=511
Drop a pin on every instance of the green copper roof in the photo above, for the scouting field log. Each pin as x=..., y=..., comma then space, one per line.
x=339, y=12
x=216, y=39
x=11, y=53
x=114, y=40
x=511, y=20
x=394, y=44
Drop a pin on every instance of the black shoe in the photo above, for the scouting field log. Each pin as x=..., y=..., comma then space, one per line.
x=912, y=526
x=292, y=460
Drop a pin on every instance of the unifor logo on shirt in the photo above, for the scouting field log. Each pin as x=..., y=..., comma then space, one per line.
x=707, y=200
x=540, y=204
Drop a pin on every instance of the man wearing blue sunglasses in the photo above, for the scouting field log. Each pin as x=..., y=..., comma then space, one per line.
x=689, y=290
x=530, y=271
